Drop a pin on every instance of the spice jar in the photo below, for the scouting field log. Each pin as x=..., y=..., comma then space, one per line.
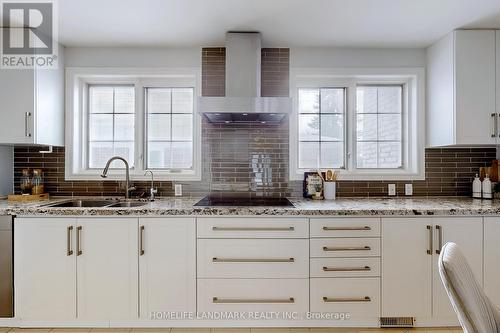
x=37, y=181
x=26, y=184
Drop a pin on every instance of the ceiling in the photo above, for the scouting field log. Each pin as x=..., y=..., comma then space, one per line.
x=290, y=23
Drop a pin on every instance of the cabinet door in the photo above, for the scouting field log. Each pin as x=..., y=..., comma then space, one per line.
x=45, y=268
x=467, y=233
x=406, y=267
x=475, y=86
x=17, y=106
x=107, y=268
x=492, y=258
x=168, y=265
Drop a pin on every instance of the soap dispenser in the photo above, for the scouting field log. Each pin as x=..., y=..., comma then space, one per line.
x=476, y=187
x=487, y=192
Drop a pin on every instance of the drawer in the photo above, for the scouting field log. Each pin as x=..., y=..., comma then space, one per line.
x=253, y=258
x=252, y=227
x=345, y=247
x=253, y=295
x=360, y=297
x=345, y=267
x=345, y=227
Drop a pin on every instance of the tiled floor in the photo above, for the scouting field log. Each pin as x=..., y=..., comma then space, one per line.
x=230, y=330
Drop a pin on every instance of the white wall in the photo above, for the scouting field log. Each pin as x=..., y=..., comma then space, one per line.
x=6, y=170
x=191, y=57
x=132, y=57
x=356, y=57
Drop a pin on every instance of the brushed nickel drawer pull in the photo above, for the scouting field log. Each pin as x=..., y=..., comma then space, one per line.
x=440, y=238
x=253, y=228
x=79, y=251
x=252, y=260
x=141, y=241
x=365, y=228
x=429, y=249
x=217, y=300
x=346, y=269
x=351, y=248
x=69, y=250
x=27, y=115
x=346, y=299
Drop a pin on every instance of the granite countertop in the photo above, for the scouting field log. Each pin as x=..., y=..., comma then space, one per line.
x=303, y=207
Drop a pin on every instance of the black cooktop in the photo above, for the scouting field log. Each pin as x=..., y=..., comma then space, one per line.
x=222, y=201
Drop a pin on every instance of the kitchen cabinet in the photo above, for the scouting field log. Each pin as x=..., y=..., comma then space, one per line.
x=32, y=105
x=411, y=286
x=461, y=88
x=167, y=265
x=45, y=268
x=492, y=258
x=65, y=264
x=107, y=268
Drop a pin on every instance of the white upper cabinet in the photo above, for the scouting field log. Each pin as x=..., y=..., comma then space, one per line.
x=461, y=90
x=32, y=105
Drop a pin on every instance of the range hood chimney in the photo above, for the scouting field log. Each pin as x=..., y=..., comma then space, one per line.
x=243, y=103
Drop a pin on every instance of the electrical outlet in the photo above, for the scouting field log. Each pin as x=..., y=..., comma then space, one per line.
x=391, y=189
x=408, y=189
x=178, y=190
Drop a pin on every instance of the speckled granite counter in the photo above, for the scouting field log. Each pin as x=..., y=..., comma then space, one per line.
x=344, y=206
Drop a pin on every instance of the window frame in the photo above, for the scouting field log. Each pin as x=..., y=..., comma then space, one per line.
x=413, y=117
x=77, y=82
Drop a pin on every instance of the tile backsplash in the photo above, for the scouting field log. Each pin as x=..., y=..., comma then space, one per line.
x=252, y=159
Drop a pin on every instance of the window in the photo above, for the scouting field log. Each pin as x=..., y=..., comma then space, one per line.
x=379, y=126
x=146, y=116
x=321, y=127
x=368, y=123
x=111, y=124
x=169, y=128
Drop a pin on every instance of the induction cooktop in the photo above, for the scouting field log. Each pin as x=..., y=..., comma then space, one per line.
x=221, y=201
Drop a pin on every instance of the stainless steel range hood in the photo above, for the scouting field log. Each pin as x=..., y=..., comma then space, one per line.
x=243, y=103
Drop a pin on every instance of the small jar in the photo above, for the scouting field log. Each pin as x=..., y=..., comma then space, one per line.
x=37, y=181
x=26, y=184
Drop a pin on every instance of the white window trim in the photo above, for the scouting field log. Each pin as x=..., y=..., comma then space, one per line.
x=414, y=135
x=77, y=80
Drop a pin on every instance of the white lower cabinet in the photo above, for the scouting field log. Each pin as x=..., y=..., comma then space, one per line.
x=359, y=297
x=253, y=295
x=107, y=268
x=167, y=265
x=45, y=269
x=411, y=286
x=492, y=258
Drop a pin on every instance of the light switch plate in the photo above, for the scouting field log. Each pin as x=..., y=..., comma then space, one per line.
x=178, y=190
x=408, y=189
x=391, y=189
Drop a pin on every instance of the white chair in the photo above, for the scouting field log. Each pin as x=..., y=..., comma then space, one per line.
x=474, y=310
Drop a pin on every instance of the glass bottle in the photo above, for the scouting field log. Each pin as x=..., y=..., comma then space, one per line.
x=38, y=186
x=26, y=184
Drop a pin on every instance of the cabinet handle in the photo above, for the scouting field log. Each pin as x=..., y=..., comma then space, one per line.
x=27, y=115
x=79, y=251
x=346, y=299
x=69, y=249
x=494, y=131
x=252, y=260
x=253, y=228
x=141, y=241
x=440, y=239
x=353, y=248
x=346, y=269
x=429, y=250
x=347, y=228
x=217, y=300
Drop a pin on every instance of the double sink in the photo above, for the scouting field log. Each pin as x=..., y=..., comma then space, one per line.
x=97, y=204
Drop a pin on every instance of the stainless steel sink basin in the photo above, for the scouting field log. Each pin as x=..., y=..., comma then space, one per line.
x=83, y=203
x=128, y=204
